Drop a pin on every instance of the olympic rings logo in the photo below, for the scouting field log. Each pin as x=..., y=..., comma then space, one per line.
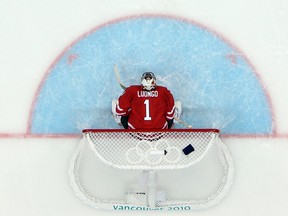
x=145, y=152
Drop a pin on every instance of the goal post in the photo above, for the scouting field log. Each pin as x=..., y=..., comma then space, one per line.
x=176, y=169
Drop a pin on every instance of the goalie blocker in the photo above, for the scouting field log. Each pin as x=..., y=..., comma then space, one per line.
x=176, y=169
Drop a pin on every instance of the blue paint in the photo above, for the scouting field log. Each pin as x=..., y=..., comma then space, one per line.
x=217, y=86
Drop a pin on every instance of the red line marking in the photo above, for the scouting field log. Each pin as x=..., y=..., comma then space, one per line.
x=232, y=57
x=72, y=136
x=71, y=58
x=44, y=136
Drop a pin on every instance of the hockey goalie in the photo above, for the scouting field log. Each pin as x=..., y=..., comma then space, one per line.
x=146, y=106
x=149, y=165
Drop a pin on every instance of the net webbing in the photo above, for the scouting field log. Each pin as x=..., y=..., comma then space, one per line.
x=188, y=169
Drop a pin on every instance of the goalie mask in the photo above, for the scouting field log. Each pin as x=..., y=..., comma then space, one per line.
x=148, y=81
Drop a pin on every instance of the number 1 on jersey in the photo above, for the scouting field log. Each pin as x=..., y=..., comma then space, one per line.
x=147, y=111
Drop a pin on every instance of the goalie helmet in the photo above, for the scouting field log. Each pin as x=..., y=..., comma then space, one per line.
x=148, y=81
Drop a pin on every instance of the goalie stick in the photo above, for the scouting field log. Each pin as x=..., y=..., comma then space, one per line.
x=118, y=77
x=117, y=74
x=183, y=123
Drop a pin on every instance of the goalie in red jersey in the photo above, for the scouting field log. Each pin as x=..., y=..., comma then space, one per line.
x=145, y=106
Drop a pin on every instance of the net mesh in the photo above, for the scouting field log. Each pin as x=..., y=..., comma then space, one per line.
x=173, y=170
x=149, y=150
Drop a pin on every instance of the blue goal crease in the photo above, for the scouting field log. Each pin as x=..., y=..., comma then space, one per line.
x=216, y=84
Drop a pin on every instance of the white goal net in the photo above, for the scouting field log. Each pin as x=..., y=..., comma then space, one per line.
x=177, y=169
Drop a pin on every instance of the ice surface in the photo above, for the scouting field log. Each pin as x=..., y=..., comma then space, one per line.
x=214, y=81
x=225, y=60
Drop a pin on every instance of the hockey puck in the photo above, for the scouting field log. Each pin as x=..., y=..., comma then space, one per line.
x=188, y=149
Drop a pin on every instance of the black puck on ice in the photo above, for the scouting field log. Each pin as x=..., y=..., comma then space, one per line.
x=188, y=149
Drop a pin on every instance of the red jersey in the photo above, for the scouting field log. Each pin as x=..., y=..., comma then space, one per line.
x=146, y=109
